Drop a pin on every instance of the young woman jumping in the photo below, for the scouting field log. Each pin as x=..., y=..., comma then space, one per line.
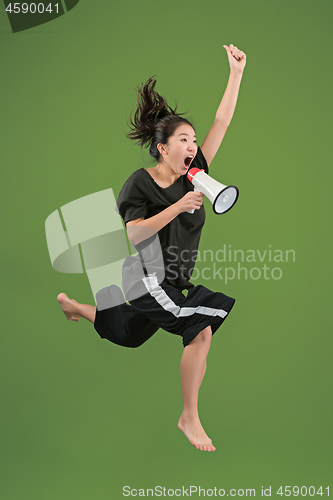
x=155, y=204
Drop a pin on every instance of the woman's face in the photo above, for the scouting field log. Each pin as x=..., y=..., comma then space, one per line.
x=180, y=149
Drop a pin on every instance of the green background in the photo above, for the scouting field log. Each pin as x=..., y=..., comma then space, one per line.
x=81, y=417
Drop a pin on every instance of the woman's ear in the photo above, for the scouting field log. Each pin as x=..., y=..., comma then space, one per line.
x=162, y=149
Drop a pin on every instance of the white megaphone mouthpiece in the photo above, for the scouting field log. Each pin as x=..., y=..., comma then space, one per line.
x=222, y=197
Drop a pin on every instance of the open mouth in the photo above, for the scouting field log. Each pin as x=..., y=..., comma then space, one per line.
x=188, y=160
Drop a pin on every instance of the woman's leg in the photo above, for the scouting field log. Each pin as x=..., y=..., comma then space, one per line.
x=192, y=370
x=74, y=311
x=203, y=373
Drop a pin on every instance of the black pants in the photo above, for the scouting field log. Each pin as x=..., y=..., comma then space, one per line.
x=163, y=306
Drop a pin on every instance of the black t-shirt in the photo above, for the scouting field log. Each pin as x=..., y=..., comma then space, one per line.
x=141, y=196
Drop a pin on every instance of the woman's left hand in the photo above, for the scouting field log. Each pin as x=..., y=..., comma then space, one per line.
x=237, y=58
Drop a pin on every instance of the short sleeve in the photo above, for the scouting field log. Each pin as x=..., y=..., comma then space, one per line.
x=200, y=161
x=132, y=201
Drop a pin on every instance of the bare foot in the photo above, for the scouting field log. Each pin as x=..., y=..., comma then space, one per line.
x=195, y=433
x=68, y=307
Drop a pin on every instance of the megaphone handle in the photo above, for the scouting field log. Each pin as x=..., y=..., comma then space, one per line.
x=193, y=209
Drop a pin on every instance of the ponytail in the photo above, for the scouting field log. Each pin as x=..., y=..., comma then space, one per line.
x=154, y=120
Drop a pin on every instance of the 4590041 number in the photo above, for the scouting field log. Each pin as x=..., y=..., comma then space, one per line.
x=31, y=8
x=303, y=491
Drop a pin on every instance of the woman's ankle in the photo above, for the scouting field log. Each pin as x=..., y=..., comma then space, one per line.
x=189, y=415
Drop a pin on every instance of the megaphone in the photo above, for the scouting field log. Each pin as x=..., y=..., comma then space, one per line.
x=222, y=197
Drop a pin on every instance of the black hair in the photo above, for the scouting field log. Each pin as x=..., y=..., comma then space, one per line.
x=154, y=120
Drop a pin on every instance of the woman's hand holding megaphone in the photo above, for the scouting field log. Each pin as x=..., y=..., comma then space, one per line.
x=191, y=201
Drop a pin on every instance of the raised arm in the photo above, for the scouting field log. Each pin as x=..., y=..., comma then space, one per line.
x=225, y=111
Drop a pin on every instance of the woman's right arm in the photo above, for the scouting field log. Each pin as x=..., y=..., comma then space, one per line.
x=140, y=229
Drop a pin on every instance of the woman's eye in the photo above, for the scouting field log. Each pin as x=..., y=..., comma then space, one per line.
x=184, y=139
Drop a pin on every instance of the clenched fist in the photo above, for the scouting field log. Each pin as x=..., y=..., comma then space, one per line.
x=237, y=58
